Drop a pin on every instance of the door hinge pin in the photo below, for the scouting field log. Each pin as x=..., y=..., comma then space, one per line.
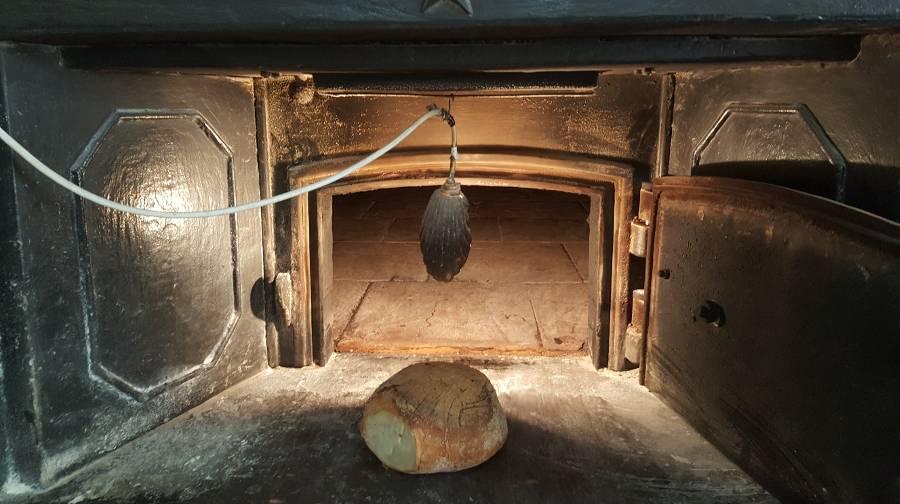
x=637, y=245
x=634, y=334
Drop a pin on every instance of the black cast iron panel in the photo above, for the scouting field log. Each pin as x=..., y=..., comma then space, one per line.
x=773, y=329
x=528, y=55
x=105, y=21
x=787, y=138
x=152, y=282
x=855, y=104
x=67, y=413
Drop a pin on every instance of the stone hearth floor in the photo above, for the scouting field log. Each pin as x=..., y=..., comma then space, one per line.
x=290, y=436
x=523, y=289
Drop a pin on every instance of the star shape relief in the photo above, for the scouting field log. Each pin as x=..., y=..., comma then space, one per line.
x=465, y=5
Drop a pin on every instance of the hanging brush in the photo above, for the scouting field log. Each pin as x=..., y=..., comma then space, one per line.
x=445, y=237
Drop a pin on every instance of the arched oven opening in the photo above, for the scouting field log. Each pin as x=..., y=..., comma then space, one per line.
x=566, y=230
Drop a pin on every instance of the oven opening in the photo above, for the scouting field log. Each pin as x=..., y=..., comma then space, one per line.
x=523, y=291
x=546, y=272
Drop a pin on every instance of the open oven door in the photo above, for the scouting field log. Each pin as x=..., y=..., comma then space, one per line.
x=773, y=326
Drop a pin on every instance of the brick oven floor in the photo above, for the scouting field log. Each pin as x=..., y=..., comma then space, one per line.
x=522, y=290
x=290, y=436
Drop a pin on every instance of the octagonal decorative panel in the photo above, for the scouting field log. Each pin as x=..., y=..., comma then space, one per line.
x=161, y=294
x=781, y=144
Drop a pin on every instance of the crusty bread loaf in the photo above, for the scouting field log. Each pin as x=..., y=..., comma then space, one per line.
x=434, y=417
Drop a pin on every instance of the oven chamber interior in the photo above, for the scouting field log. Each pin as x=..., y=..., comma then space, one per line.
x=117, y=327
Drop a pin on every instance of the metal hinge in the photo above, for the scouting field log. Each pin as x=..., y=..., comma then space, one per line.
x=634, y=335
x=640, y=225
x=638, y=246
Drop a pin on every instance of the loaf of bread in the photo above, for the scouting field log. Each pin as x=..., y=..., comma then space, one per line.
x=434, y=417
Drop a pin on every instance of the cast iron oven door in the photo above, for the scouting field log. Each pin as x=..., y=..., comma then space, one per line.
x=772, y=326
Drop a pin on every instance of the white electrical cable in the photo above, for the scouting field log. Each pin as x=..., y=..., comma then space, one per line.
x=100, y=200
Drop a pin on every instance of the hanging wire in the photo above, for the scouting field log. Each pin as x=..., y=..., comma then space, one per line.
x=37, y=164
x=454, y=153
